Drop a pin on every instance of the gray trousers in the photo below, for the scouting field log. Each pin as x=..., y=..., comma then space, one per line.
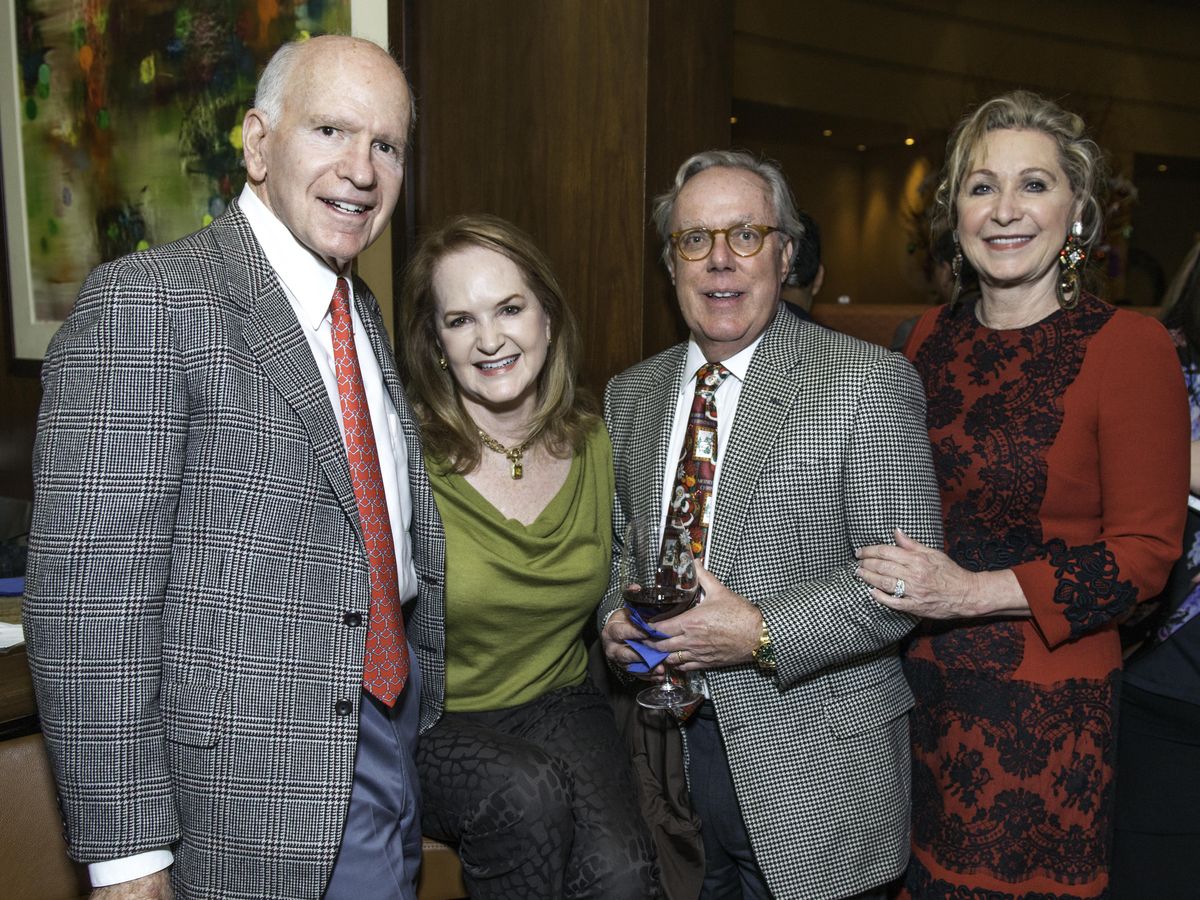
x=381, y=845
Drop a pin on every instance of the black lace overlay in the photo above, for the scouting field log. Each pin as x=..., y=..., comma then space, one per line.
x=1012, y=765
x=975, y=733
x=919, y=882
x=1088, y=585
x=1017, y=380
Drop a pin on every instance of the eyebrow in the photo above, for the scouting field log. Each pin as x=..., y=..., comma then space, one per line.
x=504, y=301
x=740, y=220
x=1029, y=171
x=319, y=120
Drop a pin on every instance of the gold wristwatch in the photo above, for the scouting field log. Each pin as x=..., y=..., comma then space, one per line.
x=764, y=653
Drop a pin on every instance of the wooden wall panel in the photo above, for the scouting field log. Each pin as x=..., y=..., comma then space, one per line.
x=565, y=116
x=690, y=98
x=1128, y=68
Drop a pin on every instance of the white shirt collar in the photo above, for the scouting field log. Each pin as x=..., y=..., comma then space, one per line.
x=306, y=277
x=738, y=364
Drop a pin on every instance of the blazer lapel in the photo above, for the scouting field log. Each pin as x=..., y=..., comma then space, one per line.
x=655, y=415
x=274, y=336
x=770, y=391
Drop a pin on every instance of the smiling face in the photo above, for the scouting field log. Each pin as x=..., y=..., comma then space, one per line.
x=1015, y=209
x=331, y=167
x=493, y=331
x=727, y=300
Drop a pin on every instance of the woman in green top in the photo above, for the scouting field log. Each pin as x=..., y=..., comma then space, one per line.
x=525, y=771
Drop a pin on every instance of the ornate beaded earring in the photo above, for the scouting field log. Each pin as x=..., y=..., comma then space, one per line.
x=1070, y=260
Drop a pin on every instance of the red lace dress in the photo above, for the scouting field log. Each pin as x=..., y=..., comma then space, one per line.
x=1062, y=453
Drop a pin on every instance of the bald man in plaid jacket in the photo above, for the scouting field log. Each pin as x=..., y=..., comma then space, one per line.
x=199, y=594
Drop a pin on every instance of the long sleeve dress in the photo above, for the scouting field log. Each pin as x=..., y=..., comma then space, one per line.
x=1061, y=451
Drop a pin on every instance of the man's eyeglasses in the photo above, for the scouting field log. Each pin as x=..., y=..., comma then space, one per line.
x=694, y=244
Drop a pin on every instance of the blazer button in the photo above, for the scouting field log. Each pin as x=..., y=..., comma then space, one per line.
x=352, y=619
x=343, y=707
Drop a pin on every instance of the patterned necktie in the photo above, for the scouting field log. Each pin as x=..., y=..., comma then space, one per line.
x=690, y=501
x=385, y=667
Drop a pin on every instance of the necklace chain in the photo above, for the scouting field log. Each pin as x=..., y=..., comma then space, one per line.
x=512, y=454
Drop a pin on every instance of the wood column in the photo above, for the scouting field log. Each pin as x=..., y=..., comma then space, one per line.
x=567, y=117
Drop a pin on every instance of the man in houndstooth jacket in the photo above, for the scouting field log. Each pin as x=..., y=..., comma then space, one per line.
x=198, y=592
x=798, y=764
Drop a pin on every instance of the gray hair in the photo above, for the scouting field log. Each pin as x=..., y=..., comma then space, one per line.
x=768, y=170
x=268, y=97
x=272, y=84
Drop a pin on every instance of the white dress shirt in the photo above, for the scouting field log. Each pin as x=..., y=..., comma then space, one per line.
x=726, y=400
x=309, y=285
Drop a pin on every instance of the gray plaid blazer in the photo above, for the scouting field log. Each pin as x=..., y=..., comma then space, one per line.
x=828, y=452
x=194, y=553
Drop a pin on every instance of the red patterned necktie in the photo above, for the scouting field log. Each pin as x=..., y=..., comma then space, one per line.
x=385, y=667
x=690, y=500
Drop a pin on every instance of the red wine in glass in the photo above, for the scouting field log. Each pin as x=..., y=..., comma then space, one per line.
x=659, y=602
x=659, y=574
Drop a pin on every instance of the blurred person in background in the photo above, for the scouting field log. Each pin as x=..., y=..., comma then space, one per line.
x=1156, y=849
x=807, y=273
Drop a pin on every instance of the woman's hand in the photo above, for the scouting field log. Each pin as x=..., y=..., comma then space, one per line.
x=616, y=631
x=935, y=587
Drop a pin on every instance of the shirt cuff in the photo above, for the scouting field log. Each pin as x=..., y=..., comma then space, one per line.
x=127, y=868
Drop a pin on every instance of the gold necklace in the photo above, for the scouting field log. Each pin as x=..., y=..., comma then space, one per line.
x=512, y=454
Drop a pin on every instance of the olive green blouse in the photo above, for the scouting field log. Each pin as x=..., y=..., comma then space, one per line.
x=518, y=596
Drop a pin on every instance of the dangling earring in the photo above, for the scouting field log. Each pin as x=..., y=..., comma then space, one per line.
x=956, y=269
x=1070, y=259
x=442, y=361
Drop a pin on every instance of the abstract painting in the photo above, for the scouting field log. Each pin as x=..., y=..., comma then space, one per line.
x=121, y=129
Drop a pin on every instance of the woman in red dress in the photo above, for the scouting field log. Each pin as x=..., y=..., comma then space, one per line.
x=1059, y=427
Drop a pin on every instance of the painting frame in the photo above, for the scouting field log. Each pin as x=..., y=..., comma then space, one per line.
x=29, y=334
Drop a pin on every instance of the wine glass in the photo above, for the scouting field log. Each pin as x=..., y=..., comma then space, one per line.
x=660, y=582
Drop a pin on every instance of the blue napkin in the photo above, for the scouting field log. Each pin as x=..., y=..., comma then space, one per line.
x=12, y=587
x=650, y=657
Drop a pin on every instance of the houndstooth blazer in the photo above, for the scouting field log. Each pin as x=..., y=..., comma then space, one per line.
x=828, y=452
x=194, y=555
